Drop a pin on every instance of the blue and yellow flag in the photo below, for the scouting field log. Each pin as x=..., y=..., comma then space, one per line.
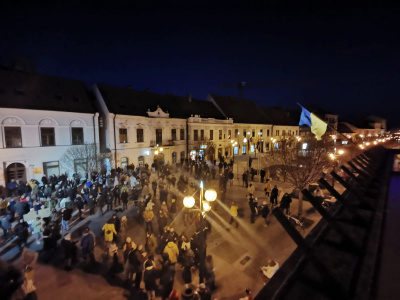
x=318, y=127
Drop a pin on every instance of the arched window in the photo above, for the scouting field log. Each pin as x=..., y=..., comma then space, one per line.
x=174, y=157
x=141, y=160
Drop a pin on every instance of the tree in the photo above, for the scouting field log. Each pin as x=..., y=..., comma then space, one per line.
x=84, y=158
x=300, y=167
x=207, y=146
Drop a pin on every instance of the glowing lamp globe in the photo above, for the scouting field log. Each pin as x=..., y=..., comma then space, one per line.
x=210, y=195
x=188, y=201
x=206, y=206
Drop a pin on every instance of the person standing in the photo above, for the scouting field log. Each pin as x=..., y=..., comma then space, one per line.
x=79, y=204
x=110, y=199
x=172, y=250
x=66, y=216
x=267, y=189
x=69, y=251
x=162, y=222
x=117, y=195
x=109, y=231
x=251, y=190
x=253, y=206
x=151, y=244
x=91, y=204
x=21, y=230
x=87, y=245
x=265, y=213
x=149, y=278
x=285, y=203
x=148, y=216
x=124, y=198
x=234, y=213
x=274, y=195
x=122, y=230
x=6, y=225
x=209, y=274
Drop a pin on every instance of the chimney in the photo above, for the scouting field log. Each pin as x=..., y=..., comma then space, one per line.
x=189, y=98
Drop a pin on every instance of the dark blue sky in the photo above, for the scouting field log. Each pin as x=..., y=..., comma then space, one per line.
x=343, y=58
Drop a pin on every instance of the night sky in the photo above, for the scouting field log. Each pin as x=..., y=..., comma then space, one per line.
x=342, y=58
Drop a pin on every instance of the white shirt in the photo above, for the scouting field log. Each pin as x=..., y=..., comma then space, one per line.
x=270, y=271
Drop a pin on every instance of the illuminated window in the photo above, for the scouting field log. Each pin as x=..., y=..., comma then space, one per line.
x=123, y=135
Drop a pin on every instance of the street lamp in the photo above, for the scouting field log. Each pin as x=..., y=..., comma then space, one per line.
x=210, y=196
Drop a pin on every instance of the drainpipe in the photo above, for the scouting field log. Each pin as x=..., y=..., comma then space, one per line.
x=115, y=145
x=94, y=134
x=187, y=140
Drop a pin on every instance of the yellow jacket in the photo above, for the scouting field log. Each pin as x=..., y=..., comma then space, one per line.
x=172, y=250
x=108, y=237
x=148, y=215
x=268, y=187
x=234, y=210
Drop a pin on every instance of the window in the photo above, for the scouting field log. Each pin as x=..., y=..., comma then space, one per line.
x=267, y=132
x=182, y=134
x=229, y=134
x=289, y=132
x=211, y=134
x=51, y=167
x=174, y=157
x=252, y=148
x=283, y=132
x=261, y=132
x=236, y=150
x=253, y=133
x=139, y=135
x=236, y=133
x=47, y=136
x=277, y=133
x=244, y=133
x=182, y=156
x=220, y=134
x=202, y=134
x=296, y=132
x=244, y=148
x=81, y=166
x=123, y=135
x=141, y=160
x=159, y=136
x=77, y=135
x=195, y=135
x=13, y=137
x=173, y=134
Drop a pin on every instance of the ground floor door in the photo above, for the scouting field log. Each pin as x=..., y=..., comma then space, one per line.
x=16, y=171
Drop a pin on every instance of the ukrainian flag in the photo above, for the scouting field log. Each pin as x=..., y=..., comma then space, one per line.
x=318, y=127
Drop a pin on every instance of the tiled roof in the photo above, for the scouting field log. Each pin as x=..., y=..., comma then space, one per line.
x=242, y=111
x=127, y=101
x=42, y=92
x=278, y=116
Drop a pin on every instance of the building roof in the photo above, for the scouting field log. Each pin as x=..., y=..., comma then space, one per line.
x=127, y=101
x=343, y=128
x=242, y=111
x=278, y=116
x=25, y=90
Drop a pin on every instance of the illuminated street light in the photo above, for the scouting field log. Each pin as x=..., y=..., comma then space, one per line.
x=188, y=202
x=210, y=195
x=156, y=152
x=340, y=152
x=161, y=149
x=206, y=206
x=244, y=140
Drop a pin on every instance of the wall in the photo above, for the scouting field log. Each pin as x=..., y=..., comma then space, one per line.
x=32, y=155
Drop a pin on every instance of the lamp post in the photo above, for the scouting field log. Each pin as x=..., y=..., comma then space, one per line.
x=210, y=196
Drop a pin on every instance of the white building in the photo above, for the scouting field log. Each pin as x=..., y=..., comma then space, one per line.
x=41, y=117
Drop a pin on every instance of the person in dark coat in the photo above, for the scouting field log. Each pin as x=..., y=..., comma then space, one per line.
x=87, y=245
x=79, y=205
x=91, y=204
x=162, y=222
x=21, y=230
x=167, y=276
x=69, y=251
x=6, y=225
x=265, y=212
x=253, y=206
x=124, y=198
x=21, y=208
x=135, y=258
x=285, y=203
x=149, y=278
x=110, y=199
x=117, y=195
x=274, y=196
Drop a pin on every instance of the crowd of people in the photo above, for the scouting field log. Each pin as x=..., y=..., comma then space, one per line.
x=155, y=191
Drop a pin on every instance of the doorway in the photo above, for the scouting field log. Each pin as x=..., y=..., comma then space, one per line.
x=16, y=171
